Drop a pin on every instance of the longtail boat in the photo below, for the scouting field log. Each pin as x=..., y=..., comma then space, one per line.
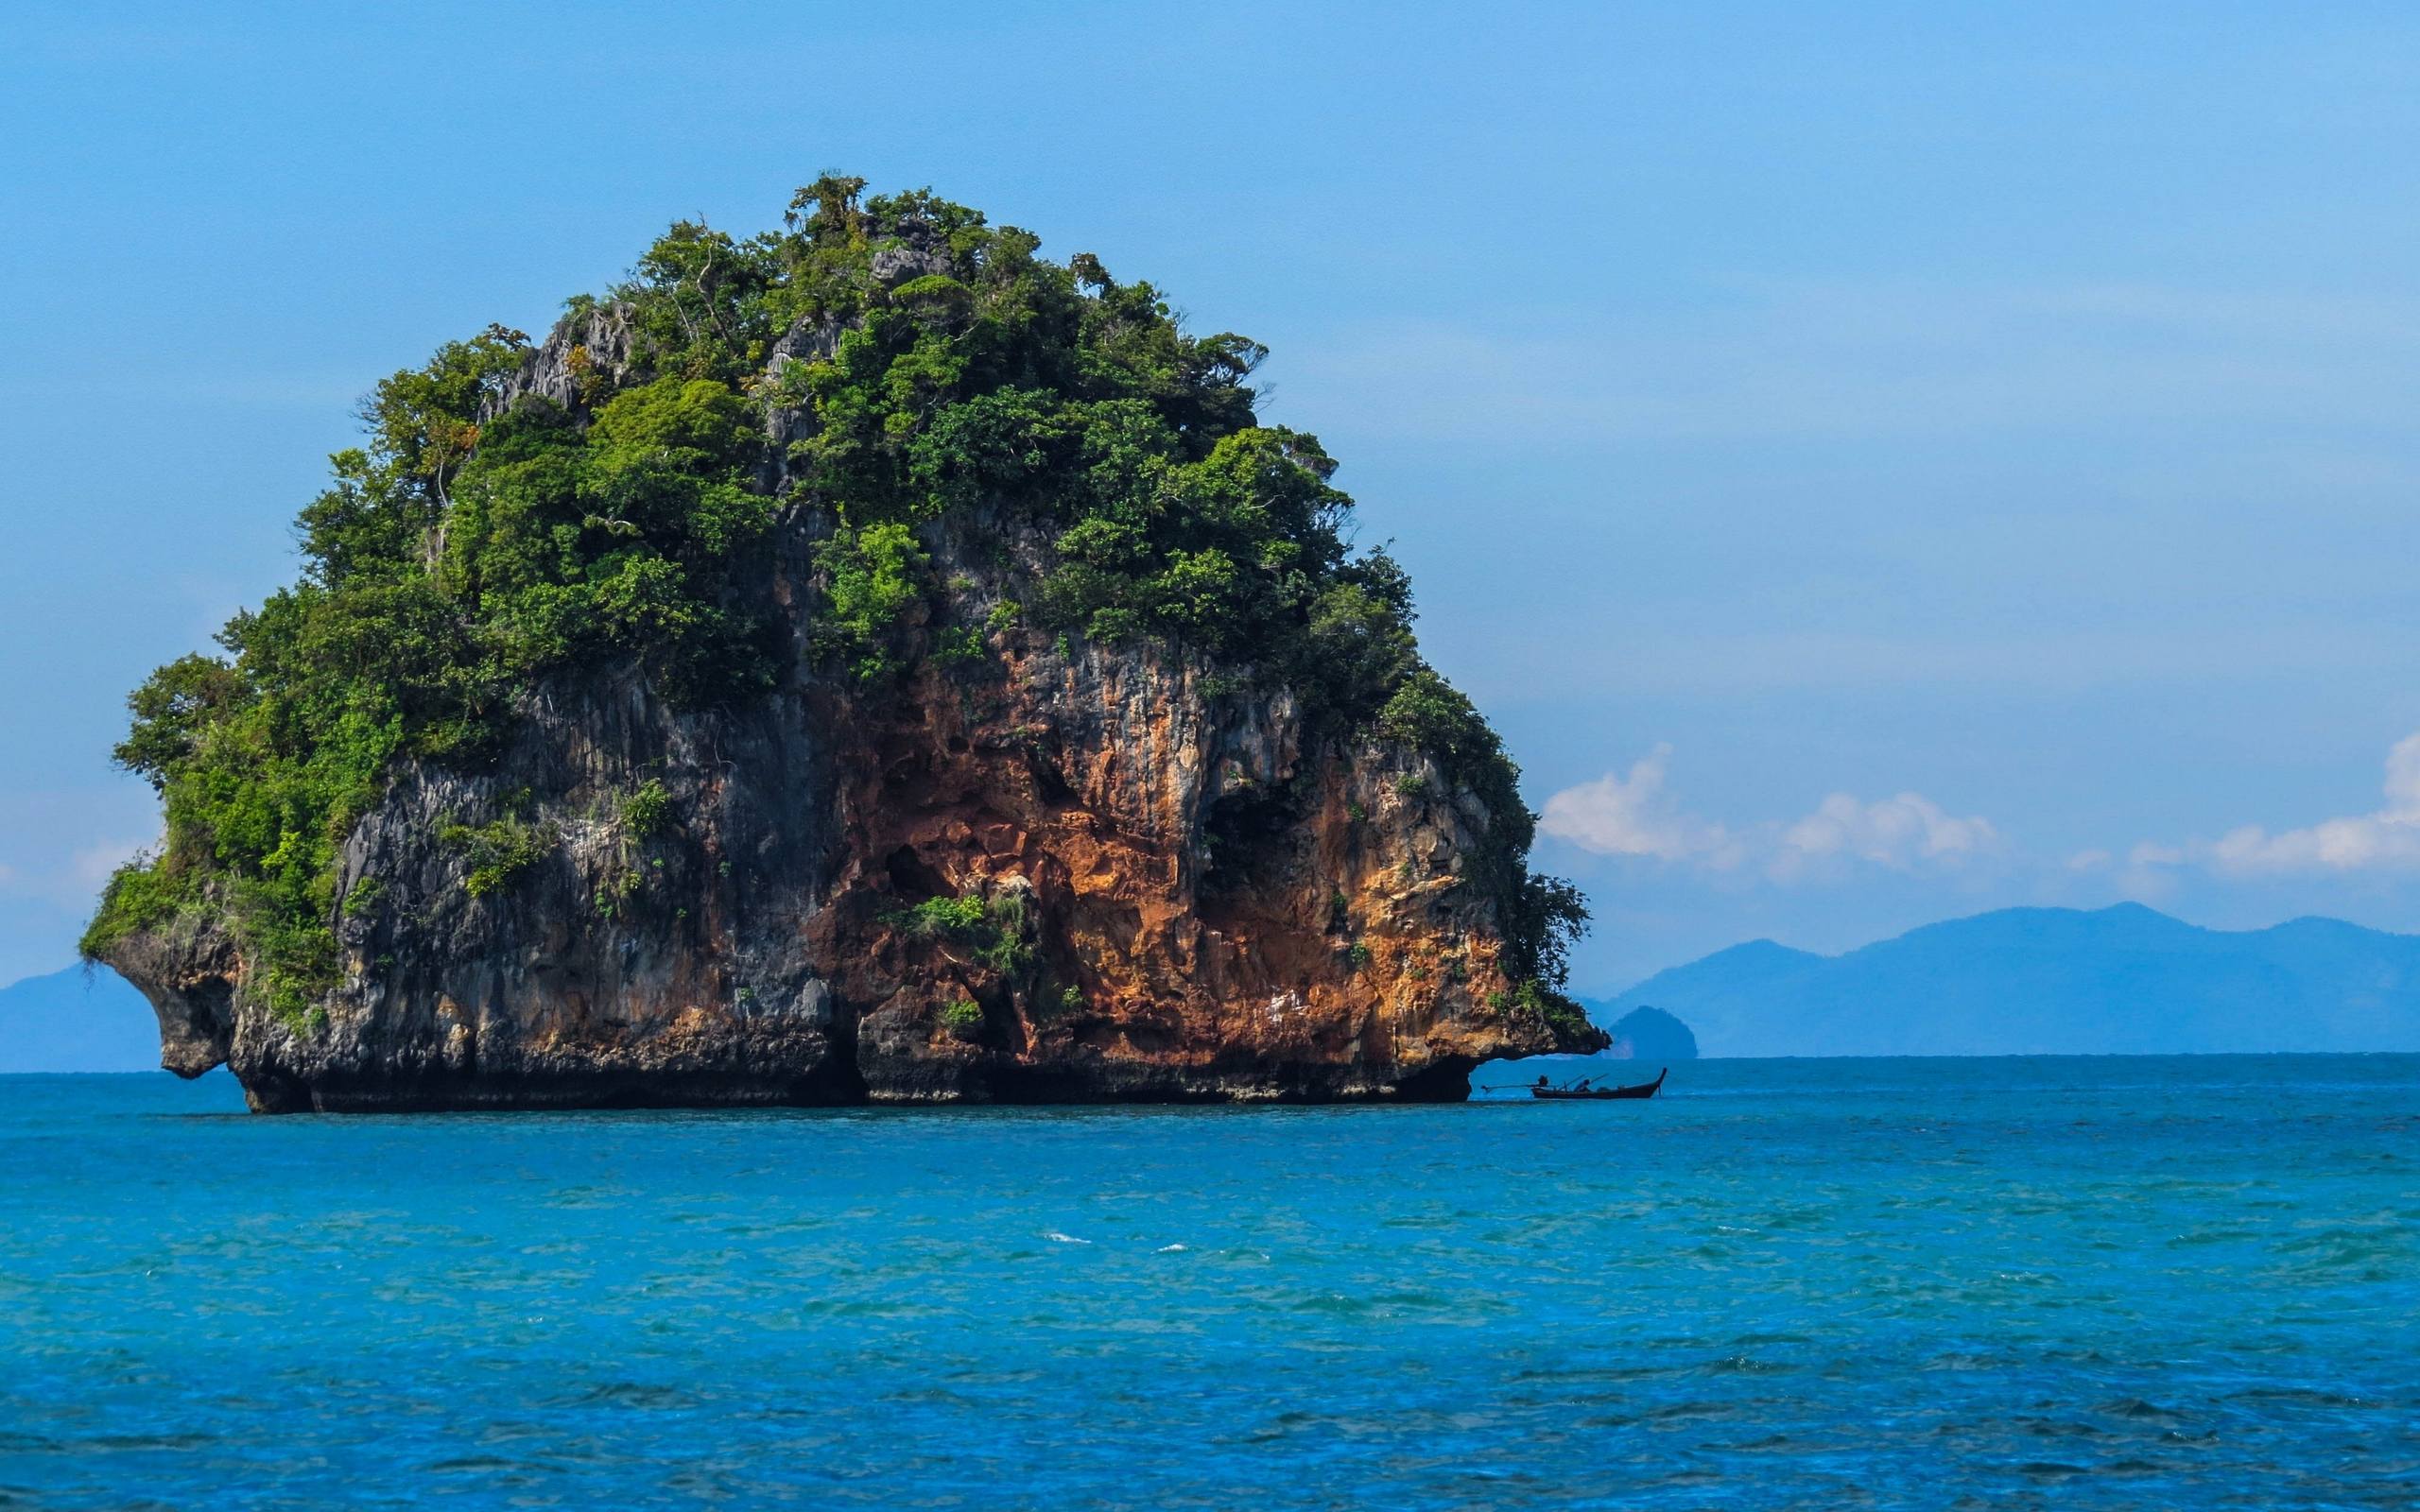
x=1581, y=1093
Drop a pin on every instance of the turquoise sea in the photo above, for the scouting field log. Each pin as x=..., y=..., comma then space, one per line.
x=2188, y=1282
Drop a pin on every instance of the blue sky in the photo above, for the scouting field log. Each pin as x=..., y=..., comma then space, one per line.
x=1875, y=462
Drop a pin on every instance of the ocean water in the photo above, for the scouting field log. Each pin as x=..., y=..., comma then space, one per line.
x=2188, y=1282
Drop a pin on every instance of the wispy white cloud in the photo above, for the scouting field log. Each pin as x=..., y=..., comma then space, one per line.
x=317, y=393
x=1632, y=813
x=74, y=882
x=1811, y=359
x=92, y=865
x=1662, y=662
x=2384, y=840
x=1903, y=833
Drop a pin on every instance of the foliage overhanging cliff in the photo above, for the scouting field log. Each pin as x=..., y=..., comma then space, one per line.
x=883, y=469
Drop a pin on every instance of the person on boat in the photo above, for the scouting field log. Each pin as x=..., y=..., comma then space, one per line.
x=1542, y=1081
x=1583, y=1084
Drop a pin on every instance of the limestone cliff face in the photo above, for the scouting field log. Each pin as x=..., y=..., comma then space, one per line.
x=1179, y=892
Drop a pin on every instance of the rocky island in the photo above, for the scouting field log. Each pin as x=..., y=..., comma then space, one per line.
x=865, y=662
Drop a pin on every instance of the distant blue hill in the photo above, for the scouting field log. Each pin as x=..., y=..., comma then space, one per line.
x=67, y=1021
x=2127, y=980
x=1642, y=1033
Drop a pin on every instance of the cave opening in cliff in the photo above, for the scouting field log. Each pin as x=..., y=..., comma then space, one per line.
x=1240, y=829
x=911, y=879
x=1049, y=783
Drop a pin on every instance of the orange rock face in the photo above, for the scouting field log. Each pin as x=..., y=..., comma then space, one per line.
x=1213, y=911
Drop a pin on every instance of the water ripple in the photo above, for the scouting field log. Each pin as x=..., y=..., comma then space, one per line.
x=1896, y=1284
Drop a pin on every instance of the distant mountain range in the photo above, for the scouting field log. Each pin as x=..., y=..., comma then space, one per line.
x=75, y=1021
x=2127, y=980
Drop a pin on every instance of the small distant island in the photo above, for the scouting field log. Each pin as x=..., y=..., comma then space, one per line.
x=866, y=660
x=1649, y=1033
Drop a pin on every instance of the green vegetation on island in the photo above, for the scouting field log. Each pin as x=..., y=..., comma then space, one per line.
x=941, y=368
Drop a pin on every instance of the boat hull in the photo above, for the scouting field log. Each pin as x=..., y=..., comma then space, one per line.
x=1644, y=1090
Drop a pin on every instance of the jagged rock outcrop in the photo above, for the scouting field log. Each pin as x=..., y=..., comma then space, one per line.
x=956, y=852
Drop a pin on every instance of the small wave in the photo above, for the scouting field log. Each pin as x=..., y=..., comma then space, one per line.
x=2298, y=1394
x=1682, y=1412
x=1058, y=1238
x=636, y=1394
x=2136, y=1407
x=1334, y=1303
x=1746, y=1364
x=148, y=1441
x=2060, y=1428
x=1169, y=1249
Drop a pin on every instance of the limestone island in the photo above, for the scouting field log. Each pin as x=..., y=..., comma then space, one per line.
x=868, y=661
